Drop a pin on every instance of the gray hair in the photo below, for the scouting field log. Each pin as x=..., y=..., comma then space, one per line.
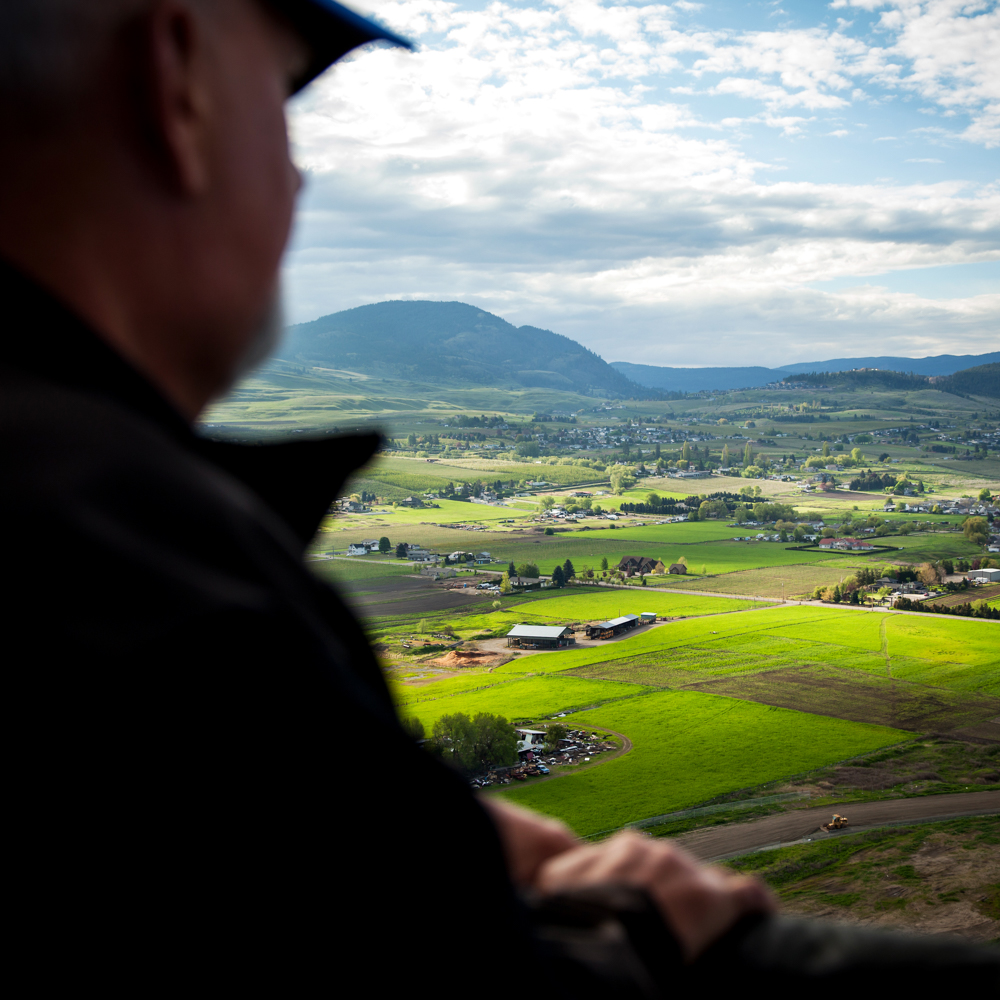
x=49, y=49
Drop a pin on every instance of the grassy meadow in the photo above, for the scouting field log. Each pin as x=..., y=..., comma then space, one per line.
x=688, y=747
x=722, y=702
x=595, y=603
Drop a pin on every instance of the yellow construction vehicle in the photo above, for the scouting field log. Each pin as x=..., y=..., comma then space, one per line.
x=837, y=823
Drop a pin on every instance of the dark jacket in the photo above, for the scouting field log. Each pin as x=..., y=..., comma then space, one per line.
x=209, y=776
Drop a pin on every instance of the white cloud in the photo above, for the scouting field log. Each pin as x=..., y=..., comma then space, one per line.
x=923, y=159
x=526, y=159
x=951, y=49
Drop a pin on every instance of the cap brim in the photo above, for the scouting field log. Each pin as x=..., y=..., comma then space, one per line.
x=331, y=30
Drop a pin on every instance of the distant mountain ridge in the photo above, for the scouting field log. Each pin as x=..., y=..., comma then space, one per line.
x=940, y=364
x=721, y=379
x=452, y=342
x=458, y=344
x=698, y=379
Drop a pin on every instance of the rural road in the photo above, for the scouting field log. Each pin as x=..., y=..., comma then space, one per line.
x=715, y=843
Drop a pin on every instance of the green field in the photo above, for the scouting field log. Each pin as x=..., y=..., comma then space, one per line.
x=587, y=548
x=666, y=535
x=728, y=701
x=689, y=747
x=959, y=654
x=368, y=567
x=524, y=699
x=601, y=603
x=445, y=512
x=421, y=475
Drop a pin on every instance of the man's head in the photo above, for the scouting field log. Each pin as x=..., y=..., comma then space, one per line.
x=145, y=176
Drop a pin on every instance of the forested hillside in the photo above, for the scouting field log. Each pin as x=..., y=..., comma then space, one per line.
x=697, y=379
x=983, y=380
x=454, y=343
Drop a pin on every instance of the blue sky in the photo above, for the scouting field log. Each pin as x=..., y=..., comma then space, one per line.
x=678, y=184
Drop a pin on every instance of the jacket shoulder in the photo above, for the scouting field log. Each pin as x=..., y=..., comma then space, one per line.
x=100, y=492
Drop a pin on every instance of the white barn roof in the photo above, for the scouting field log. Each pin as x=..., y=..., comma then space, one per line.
x=617, y=621
x=537, y=631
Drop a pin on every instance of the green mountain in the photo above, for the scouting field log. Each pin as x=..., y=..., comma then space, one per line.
x=983, y=380
x=452, y=343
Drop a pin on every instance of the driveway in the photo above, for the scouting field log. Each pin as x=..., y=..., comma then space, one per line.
x=716, y=843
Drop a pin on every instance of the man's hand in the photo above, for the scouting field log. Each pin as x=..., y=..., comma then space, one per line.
x=528, y=839
x=698, y=903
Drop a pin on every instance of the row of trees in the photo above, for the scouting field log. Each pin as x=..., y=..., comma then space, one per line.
x=852, y=589
x=977, y=609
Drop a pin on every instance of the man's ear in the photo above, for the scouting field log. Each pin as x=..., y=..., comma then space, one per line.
x=179, y=89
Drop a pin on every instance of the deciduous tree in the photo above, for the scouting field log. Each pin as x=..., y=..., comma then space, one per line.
x=976, y=530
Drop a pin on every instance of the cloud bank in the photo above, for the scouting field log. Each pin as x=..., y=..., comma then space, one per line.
x=659, y=186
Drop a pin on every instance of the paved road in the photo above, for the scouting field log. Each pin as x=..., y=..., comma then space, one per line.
x=724, y=841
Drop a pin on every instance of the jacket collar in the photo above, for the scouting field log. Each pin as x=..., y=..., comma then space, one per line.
x=297, y=479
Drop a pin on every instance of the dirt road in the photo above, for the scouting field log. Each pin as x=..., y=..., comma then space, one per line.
x=719, y=842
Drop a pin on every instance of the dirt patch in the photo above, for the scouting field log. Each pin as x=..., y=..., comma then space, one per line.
x=943, y=878
x=861, y=697
x=870, y=778
x=469, y=658
x=966, y=597
x=984, y=732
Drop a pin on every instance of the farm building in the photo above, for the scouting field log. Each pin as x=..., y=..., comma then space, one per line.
x=640, y=565
x=677, y=568
x=540, y=636
x=985, y=575
x=647, y=617
x=609, y=629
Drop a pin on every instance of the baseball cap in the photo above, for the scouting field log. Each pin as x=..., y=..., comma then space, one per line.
x=330, y=30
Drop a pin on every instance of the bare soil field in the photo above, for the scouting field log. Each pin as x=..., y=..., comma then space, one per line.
x=401, y=595
x=859, y=696
x=966, y=597
x=936, y=878
x=983, y=732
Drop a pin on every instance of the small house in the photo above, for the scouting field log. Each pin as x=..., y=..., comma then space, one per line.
x=530, y=739
x=678, y=568
x=639, y=565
